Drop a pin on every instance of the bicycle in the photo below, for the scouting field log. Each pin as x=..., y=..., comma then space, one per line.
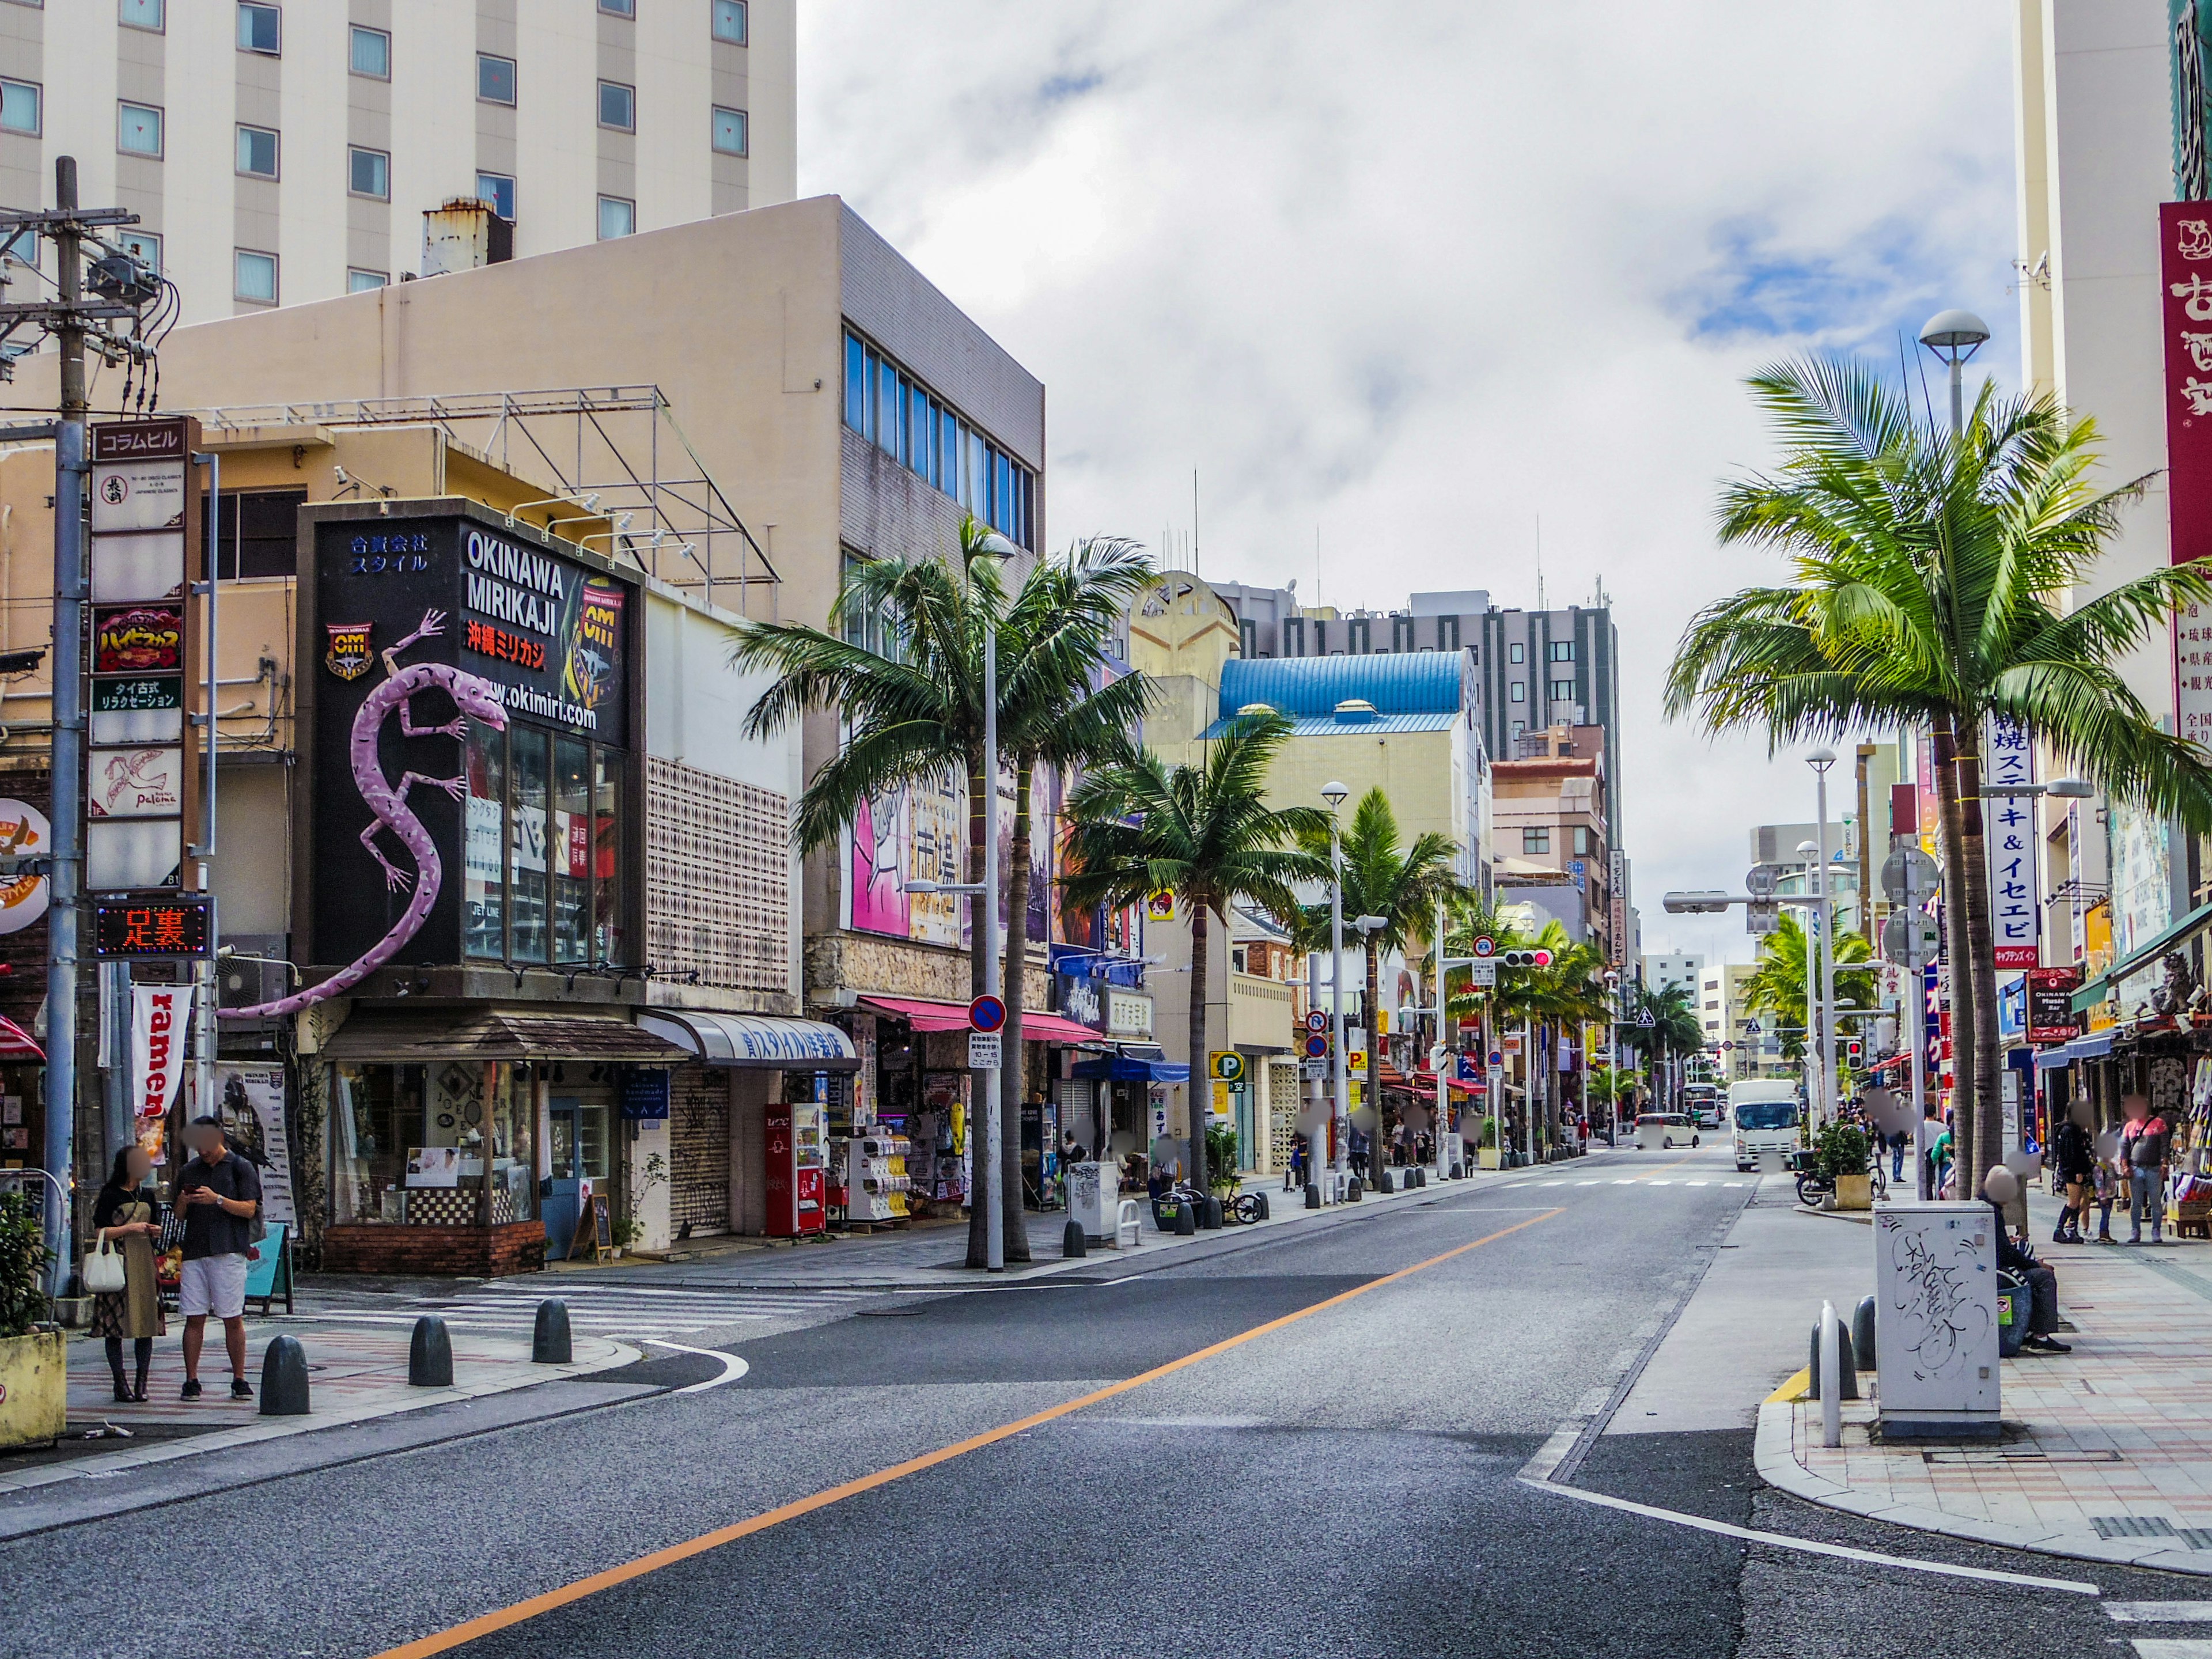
x=1813, y=1185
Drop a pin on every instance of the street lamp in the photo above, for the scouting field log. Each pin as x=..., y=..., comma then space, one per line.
x=1341, y=1106
x=1955, y=336
x=1612, y=1058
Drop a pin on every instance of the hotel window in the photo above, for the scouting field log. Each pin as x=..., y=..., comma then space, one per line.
x=257, y=152
x=255, y=277
x=730, y=22
x=138, y=130
x=143, y=245
x=1562, y=690
x=1519, y=692
x=499, y=190
x=617, y=106
x=20, y=109
x=368, y=173
x=370, y=52
x=1536, y=841
x=495, y=80
x=856, y=385
x=149, y=15
x=617, y=218
x=362, y=282
x=1582, y=840
x=729, y=131
x=1563, y=651
x=888, y=406
x=260, y=29
x=1513, y=652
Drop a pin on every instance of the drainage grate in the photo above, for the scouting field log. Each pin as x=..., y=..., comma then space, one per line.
x=2131, y=1526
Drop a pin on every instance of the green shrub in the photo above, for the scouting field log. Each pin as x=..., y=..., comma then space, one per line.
x=22, y=1264
x=1842, y=1150
x=1221, y=1157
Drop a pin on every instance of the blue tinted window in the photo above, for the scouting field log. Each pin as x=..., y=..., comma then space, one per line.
x=920, y=429
x=887, y=410
x=1002, y=495
x=499, y=190
x=948, y=453
x=856, y=385
x=976, y=481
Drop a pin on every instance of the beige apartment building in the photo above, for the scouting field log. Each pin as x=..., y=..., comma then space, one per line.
x=283, y=153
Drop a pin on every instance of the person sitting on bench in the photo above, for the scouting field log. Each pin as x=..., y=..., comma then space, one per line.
x=2001, y=1186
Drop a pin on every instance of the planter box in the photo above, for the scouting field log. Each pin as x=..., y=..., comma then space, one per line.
x=516, y=1246
x=1854, y=1192
x=34, y=1389
x=1486, y=1158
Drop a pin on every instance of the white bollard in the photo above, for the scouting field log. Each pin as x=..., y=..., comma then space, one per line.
x=1831, y=1379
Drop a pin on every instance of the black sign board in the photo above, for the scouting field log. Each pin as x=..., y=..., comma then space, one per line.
x=2050, y=1017
x=149, y=929
x=645, y=1094
x=554, y=634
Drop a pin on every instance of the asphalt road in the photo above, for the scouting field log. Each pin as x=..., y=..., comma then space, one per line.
x=1330, y=1465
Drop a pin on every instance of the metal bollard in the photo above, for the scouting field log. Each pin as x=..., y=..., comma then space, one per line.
x=549, y=1343
x=430, y=1355
x=1848, y=1388
x=1831, y=1375
x=284, y=1378
x=1863, y=1334
x=1072, y=1244
x=1313, y=1196
x=1351, y=1191
x=1266, y=1208
x=1186, y=1222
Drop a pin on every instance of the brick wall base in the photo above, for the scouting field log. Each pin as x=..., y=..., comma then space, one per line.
x=519, y=1247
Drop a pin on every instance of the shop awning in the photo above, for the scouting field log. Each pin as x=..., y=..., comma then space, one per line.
x=2099, y=987
x=927, y=1016
x=16, y=1043
x=757, y=1042
x=1129, y=1068
x=2093, y=1046
x=404, y=1035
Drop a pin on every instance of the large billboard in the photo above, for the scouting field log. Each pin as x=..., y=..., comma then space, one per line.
x=547, y=633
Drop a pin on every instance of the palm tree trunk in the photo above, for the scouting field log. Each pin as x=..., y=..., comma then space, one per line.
x=1375, y=1064
x=983, y=1159
x=1982, y=965
x=1013, y=1084
x=1201, y=1090
x=1952, y=830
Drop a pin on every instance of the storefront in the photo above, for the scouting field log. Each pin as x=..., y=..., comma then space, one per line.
x=1128, y=1107
x=474, y=1142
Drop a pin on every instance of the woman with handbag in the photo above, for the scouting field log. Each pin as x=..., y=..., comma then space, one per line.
x=119, y=1268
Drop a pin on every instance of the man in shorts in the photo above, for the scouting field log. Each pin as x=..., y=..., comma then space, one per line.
x=218, y=1194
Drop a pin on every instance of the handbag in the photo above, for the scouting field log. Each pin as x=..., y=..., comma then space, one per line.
x=103, y=1268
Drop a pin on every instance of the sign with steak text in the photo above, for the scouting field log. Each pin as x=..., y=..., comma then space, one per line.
x=2008, y=825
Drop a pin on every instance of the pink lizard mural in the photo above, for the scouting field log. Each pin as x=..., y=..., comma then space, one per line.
x=475, y=698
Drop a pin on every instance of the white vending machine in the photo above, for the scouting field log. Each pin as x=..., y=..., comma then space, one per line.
x=1935, y=1319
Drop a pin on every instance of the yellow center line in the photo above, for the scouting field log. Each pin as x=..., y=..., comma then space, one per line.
x=567, y=1595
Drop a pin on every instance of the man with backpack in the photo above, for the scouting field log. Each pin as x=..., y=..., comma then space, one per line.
x=219, y=1196
x=2145, y=1139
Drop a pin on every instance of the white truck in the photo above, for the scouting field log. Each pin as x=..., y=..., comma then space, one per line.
x=1766, y=1117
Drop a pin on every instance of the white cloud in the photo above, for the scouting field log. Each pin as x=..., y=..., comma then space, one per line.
x=1415, y=274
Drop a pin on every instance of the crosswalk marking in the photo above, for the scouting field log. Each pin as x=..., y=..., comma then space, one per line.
x=598, y=1310
x=1697, y=1184
x=1629, y=1181
x=1662, y=1183
x=2185, y=1647
x=2160, y=1613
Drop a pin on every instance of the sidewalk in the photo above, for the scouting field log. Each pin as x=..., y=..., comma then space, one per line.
x=2107, y=1454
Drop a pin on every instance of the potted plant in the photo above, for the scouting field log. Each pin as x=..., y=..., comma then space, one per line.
x=33, y=1356
x=1486, y=1142
x=1221, y=1159
x=1842, y=1156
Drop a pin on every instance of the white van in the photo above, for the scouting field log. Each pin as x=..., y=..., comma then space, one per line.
x=1766, y=1117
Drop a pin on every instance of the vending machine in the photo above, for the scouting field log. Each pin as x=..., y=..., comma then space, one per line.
x=797, y=1179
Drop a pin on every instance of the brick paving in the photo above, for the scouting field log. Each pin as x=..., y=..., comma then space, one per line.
x=2107, y=1454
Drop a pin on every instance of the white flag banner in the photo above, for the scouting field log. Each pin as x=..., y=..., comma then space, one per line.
x=160, y=1016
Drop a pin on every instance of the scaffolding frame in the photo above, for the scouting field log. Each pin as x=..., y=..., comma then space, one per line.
x=573, y=441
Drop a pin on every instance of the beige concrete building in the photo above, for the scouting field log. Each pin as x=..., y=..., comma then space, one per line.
x=1721, y=1010
x=1549, y=813
x=281, y=153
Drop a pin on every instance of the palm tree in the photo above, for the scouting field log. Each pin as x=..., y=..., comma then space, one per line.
x=1402, y=885
x=1566, y=995
x=1930, y=578
x=902, y=666
x=1204, y=833
x=1780, y=986
x=1667, y=1020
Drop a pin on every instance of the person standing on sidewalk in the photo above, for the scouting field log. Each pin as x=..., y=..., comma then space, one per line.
x=2075, y=1160
x=219, y=1194
x=2143, y=1142
x=124, y=1216
x=1924, y=1151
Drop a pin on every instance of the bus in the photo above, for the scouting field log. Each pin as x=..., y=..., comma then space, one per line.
x=1701, y=1103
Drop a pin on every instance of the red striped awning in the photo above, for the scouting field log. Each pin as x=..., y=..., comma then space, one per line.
x=931, y=1016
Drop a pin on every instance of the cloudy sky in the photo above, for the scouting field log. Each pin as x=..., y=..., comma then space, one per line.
x=1417, y=274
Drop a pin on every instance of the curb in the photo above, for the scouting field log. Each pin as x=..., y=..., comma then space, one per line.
x=261, y=1429
x=1777, y=1465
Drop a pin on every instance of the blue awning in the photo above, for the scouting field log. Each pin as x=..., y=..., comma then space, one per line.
x=1127, y=1068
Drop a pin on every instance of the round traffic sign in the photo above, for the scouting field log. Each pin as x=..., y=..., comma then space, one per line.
x=1484, y=945
x=1316, y=1048
x=1497, y=1059
x=987, y=1013
x=1317, y=1019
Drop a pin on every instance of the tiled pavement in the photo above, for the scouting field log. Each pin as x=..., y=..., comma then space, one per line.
x=2108, y=1450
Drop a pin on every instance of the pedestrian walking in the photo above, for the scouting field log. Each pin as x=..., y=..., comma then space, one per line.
x=125, y=1216
x=2144, y=1139
x=1898, y=1143
x=2075, y=1160
x=1295, y=1175
x=1924, y=1140
x=219, y=1194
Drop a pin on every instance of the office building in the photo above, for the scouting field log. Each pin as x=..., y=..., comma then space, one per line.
x=1742, y=1052
x=1684, y=969
x=276, y=153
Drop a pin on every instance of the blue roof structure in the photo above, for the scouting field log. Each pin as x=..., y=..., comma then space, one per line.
x=1410, y=691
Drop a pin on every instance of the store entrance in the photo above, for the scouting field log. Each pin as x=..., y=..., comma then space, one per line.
x=577, y=1136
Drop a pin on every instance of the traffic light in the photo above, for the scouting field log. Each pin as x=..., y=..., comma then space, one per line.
x=1855, y=1050
x=1524, y=958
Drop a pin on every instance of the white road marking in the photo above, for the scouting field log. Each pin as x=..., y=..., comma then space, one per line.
x=2160, y=1613
x=1662, y=1183
x=2186, y=1647
x=1780, y=1540
x=1630, y=1181
x=1697, y=1184
x=732, y=1367
x=1586, y=1183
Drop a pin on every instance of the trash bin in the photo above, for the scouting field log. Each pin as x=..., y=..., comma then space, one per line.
x=2014, y=1304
